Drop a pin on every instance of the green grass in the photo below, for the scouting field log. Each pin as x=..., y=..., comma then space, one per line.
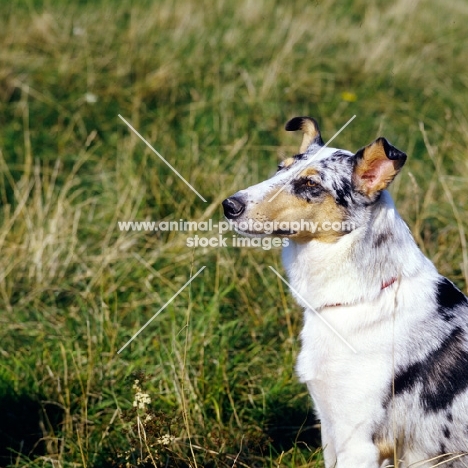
x=210, y=84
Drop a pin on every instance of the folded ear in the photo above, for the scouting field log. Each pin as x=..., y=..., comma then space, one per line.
x=311, y=131
x=376, y=166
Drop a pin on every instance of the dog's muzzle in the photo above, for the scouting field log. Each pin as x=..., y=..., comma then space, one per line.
x=233, y=207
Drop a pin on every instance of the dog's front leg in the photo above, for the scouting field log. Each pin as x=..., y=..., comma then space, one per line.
x=355, y=453
x=358, y=454
x=329, y=452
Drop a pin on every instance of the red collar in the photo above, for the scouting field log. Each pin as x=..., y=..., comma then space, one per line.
x=385, y=284
x=388, y=283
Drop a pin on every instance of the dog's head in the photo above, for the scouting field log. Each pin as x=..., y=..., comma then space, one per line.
x=321, y=193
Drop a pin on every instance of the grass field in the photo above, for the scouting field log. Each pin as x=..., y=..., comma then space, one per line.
x=210, y=84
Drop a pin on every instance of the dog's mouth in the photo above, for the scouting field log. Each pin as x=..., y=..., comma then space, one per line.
x=284, y=232
x=274, y=233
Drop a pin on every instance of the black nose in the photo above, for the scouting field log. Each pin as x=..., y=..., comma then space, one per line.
x=233, y=207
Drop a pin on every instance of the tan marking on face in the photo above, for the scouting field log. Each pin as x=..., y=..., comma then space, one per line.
x=288, y=162
x=309, y=172
x=289, y=208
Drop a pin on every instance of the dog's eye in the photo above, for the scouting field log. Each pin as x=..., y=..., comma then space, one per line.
x=280, y=166
x=307, y=188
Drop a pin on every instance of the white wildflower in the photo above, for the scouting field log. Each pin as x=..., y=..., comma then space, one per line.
x=91, y=98
x=141, y=400
x=166, y=439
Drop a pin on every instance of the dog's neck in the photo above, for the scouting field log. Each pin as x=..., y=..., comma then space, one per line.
x=355, y=268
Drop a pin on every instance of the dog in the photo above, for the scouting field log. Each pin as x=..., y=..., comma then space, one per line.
x=389, y=374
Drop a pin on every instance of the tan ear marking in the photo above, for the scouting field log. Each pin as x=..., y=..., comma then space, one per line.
x=376, y=166
x=310, y=128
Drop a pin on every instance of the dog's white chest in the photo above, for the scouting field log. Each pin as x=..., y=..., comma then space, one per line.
x=339, y=348
x=324, y=349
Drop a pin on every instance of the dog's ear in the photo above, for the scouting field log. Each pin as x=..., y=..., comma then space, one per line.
x=376, y=166
x=311, y=131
